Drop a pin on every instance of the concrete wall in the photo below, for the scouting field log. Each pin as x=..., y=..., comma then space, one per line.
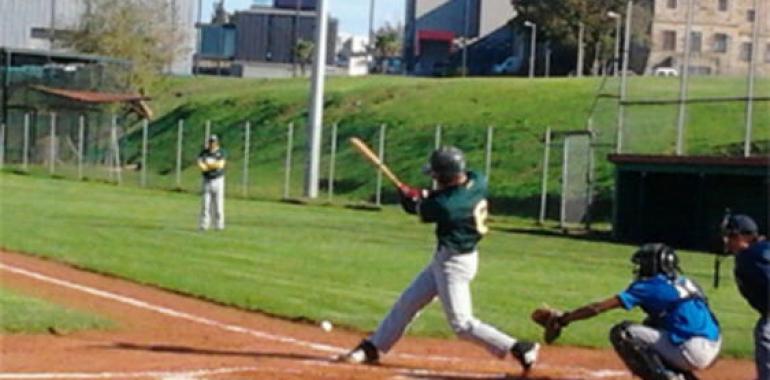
x=709, y=21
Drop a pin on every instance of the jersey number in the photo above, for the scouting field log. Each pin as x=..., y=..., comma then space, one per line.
x=480, y=214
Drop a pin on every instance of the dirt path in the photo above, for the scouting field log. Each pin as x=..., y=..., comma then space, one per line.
x=163, y=335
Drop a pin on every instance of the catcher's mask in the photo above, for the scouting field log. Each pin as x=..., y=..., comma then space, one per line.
x=445, y=163
x=654, y=258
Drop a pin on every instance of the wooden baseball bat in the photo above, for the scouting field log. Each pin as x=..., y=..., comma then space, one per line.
x=370, y=156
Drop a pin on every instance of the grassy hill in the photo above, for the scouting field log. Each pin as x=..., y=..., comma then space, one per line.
x=519, y=109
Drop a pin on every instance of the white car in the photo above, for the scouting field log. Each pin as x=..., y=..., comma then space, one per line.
x=665, y=72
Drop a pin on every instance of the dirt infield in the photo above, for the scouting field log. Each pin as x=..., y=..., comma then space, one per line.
x=163, y=335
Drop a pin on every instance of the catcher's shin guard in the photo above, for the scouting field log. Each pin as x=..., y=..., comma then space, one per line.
x=638, y=357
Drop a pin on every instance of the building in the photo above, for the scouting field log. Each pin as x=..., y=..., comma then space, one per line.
x=27, y=24
x=721, y=36
x=435, y=31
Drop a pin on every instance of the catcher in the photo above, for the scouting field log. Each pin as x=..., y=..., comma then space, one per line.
x=680, y=333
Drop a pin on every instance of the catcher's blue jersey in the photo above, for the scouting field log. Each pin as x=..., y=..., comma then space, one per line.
x=671, y=304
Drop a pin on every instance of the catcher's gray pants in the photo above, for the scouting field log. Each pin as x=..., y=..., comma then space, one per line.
x=695, y=353
x=213, y=202
x=448, y=276
x=762, y=348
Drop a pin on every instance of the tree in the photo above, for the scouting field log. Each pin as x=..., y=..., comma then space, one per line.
x=387, y=44
x=303, y=52
x=141, y=31
x=558, y=21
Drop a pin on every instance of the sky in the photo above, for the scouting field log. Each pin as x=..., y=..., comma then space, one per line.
x=353, y=15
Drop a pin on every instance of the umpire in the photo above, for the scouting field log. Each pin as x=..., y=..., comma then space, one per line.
x=211, y=161
x=752, y=273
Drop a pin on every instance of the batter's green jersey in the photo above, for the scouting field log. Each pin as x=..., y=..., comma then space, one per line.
x=460, y=213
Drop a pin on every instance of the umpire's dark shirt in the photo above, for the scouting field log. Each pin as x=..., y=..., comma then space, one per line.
x=752, y=272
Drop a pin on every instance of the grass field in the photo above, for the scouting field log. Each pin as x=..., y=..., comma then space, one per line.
x=23, y=314
x=332, y=263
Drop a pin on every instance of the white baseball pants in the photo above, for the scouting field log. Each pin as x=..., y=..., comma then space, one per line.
x=448, y=276
x=695, y=353
x=213, y=202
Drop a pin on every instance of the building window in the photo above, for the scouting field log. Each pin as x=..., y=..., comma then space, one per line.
x=696, y=41
x=720, y=43
x=746, y=51
x=750, y=14
x=722, y=5
x=669, y=40
x=767, y=53
x=671, y=4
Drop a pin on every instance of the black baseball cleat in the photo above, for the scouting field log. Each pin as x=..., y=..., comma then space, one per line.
x=526, y=353
x=364, y=353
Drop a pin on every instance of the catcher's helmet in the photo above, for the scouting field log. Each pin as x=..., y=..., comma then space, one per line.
x=445, y=163
x=654, y=258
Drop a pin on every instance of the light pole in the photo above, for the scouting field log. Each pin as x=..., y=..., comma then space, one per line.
x=532, y=47
x=624, y=77
x=616, y=56
x=316, y=104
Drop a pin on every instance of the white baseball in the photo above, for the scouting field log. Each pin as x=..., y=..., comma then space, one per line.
x=326, y=326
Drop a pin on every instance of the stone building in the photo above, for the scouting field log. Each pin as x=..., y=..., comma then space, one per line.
x=721, y=41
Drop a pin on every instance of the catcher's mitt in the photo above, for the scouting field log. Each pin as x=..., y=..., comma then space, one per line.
x=549, y=319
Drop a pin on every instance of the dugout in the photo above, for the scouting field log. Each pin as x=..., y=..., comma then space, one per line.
x=680, y=200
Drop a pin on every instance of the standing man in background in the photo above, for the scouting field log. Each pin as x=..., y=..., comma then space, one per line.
x=211, y=161
x=752, y=274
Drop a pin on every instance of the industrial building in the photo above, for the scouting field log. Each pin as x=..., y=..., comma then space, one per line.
x=436, y=30
x=35, y=24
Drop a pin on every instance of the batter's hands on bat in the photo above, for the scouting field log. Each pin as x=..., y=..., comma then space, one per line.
x=409, y=192
x=551, y=320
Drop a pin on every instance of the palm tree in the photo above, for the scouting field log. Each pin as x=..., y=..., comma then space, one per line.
x=387, y=44
x=304, y=54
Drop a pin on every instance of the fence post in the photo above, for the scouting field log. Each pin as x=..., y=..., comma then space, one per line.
x=564, y=178
x=287, y=169
x=81, y=136
x=145, y=131
x=207, y=133
x=544, y=181
x=332, y=160
x=488, y=155
x=52, y=146
x=246, y=147
x=117, y=167
x=436, y=145
x=2, y=145
x=25, y=148
x=381, y=156
x=179, y=136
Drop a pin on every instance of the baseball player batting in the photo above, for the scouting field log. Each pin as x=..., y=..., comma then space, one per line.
x=459, y=210
x=680, y=334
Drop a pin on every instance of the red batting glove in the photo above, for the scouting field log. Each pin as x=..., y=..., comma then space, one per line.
x=410, y=192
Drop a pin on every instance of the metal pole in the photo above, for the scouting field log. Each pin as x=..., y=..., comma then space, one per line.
x=548, y=60
x=683, y=80
x=564, y=174
x=52, y=146
x=616, y=55
x=580, y=58
x=624, y=78
x=207, y=132
x=371, y=25
x=332, y=160
x=544, y=180
x=590, y=180
x=465, y=37
x=81, y=143
x=145, y=132
x=246, y=147
x=116, y=150
x=436, y=145
x=199, y=38
x=488, y=153
x=381, y=155
x=287, y=167
x=2, y=145
x=52, y=30
x=316, y=104
x=179, y=136
x=25, y=148
x=758, y=13
x=532, y=47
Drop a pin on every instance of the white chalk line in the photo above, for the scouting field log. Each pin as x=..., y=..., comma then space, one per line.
x=255, y=333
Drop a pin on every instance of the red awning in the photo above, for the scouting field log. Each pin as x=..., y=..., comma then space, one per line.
x=435, y=35
x=134, y=100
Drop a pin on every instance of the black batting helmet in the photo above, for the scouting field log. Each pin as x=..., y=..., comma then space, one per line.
x=654, y=258
x=445, y=163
